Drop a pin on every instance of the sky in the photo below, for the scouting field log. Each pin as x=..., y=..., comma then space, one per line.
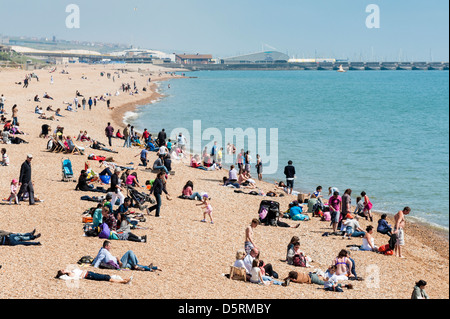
x=409, y=30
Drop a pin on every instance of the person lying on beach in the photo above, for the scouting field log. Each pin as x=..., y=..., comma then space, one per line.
x=46, y=96
x=78, y=274
x=45, y=117
x=331, y=280
x=14, y=239
x=302, y=278
x=282, y=185
x=100, y=146
x=128, y=260
x=58, y=113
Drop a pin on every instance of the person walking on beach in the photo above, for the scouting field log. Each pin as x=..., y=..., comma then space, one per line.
x=159, y=186
x=90, y=102
x=83, y=103
x=400, y=222
x=116, y=187
x=249, y=243
x=367, y=211
x=289, y=172
x=25, y=183
x=181, y=141
x=109, y=131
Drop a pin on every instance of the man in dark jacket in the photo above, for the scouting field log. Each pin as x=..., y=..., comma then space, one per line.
x=162, y=138
x=115, y=188
x=25, y=183
x=158, y=187
x=109, y=131
x=289, y=172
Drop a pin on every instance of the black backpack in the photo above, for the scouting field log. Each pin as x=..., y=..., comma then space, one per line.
x=392, y=241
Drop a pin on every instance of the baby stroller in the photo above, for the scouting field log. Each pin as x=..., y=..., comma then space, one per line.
x=269, y=211
x=138, y=199
x=67, y=172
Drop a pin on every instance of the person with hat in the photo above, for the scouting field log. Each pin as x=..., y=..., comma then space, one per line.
x=25, y=183
x=208, y=208
x=352, y=227
x=116, y=188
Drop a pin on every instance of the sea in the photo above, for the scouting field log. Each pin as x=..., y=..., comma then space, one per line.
x=382, y=132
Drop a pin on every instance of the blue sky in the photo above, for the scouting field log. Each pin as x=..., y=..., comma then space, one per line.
x=409, y=30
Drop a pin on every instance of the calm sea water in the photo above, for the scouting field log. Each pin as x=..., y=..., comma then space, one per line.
x=384, y=132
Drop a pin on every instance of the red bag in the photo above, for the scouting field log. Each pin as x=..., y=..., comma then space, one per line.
x=384, y=248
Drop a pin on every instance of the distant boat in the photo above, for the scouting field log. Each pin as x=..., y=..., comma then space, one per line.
x=341, y=69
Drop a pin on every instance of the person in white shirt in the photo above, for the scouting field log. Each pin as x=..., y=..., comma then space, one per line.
x=78, y=274
x=5, y=159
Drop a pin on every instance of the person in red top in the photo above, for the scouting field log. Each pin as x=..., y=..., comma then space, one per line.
x=145, y=135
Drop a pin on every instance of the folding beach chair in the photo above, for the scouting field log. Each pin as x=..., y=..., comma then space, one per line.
x=67, y=172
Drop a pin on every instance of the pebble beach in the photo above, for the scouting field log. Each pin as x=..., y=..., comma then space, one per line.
x=193, y=256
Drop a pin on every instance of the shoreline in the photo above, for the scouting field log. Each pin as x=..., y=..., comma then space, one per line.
x=416, y=227
x=206, y=250
x=440, y=231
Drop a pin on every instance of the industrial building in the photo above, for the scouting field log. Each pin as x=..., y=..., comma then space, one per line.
x=260, y=57
x=193, y=58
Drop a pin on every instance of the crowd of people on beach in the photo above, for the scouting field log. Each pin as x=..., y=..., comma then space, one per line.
x=121, y=209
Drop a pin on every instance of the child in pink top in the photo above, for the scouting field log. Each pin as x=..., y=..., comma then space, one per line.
x=208, y=209
x=14, y=191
